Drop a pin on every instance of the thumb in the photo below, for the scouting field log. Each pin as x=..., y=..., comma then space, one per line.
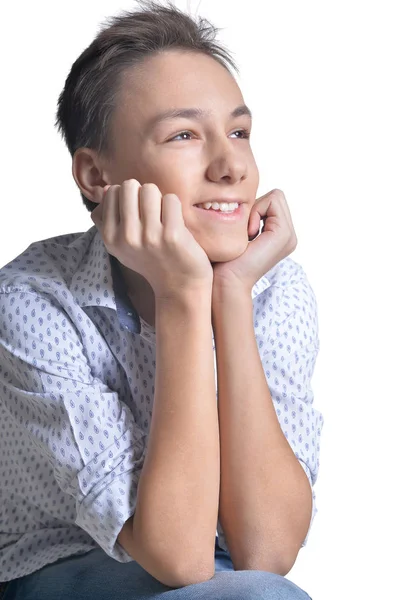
x=97, y=213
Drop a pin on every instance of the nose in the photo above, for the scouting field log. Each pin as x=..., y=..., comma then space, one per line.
x=227, y=161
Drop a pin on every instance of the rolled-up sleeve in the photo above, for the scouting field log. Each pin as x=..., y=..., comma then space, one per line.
x=289, y=359
x=75, y=422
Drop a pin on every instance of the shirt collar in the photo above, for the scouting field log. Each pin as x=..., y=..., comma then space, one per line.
x=99, y=282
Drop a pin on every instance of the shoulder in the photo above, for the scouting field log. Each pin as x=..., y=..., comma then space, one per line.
x=45, y=265
x=284, y=293
x=286, y=273
x=286, y=277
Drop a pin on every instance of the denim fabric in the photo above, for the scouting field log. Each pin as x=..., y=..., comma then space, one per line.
x=96, y=576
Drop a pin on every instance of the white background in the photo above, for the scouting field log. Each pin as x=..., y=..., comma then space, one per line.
x=321, y=78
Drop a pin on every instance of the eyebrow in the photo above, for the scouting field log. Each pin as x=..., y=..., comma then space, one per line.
x=194, y=113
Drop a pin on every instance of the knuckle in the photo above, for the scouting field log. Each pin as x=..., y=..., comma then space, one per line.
x=171, y=237
x=130, y=237
x=108, y=237
x=278, y=192
x=150, y=239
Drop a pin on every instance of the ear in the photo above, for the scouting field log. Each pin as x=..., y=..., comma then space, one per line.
x=89, y=174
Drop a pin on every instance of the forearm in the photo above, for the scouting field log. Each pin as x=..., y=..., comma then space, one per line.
x=265, y=497
x=178, y=490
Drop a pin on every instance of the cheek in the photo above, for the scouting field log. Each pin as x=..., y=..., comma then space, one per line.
x=171, y=176
x=180, y=182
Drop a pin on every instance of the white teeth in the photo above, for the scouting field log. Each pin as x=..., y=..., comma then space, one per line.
x=223, y=206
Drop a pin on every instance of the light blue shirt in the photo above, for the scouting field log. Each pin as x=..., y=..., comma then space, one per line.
x=77, y=373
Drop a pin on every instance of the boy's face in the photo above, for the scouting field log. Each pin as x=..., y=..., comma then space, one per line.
x=212, y=161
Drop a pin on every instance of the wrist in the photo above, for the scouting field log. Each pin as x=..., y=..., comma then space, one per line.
x=185, y=299
x=224, y=292
x=230, y=301
x=187, y=311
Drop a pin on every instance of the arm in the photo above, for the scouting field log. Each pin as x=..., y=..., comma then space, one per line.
x=265, y=496
x=102, y=474
x=75, y=427
x=176, y=514
x=175, y=517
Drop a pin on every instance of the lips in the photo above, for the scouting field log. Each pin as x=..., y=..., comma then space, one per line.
x=218, y=215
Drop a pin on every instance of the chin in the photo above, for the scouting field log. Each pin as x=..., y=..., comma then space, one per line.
x=226, y=253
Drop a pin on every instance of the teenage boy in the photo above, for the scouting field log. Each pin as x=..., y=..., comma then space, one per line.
x=118, y=432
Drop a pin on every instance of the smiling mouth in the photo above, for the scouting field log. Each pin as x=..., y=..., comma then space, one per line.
x=231, y=215
x=222, y=206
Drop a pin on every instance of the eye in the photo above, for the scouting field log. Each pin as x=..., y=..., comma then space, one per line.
x=179, y=134
x=245, y=134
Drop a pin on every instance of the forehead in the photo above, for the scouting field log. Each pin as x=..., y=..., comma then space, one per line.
x=176, y=79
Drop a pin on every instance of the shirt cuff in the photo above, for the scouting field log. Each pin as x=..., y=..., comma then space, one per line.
x=112, y=497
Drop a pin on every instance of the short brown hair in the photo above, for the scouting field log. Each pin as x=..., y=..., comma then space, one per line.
x=86, y=104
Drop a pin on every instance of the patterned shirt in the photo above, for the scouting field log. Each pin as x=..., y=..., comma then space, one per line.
x=77, y=374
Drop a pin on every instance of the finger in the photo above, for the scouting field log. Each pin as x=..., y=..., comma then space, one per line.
x=280, y=206
x=104, y=191
x=280, y=209
x=258, y=213
x=172, y=215
x=110, y=217
x=97, y=215
x=150, y=200
x=253, y=224
x=130, y=224
x=286, y=209
x=97, y=198
x=270, y=205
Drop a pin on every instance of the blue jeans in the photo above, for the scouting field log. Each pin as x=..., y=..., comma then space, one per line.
x=96, y=576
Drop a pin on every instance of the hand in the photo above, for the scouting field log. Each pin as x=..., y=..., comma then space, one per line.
x=277, y=240
x=145, y=231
